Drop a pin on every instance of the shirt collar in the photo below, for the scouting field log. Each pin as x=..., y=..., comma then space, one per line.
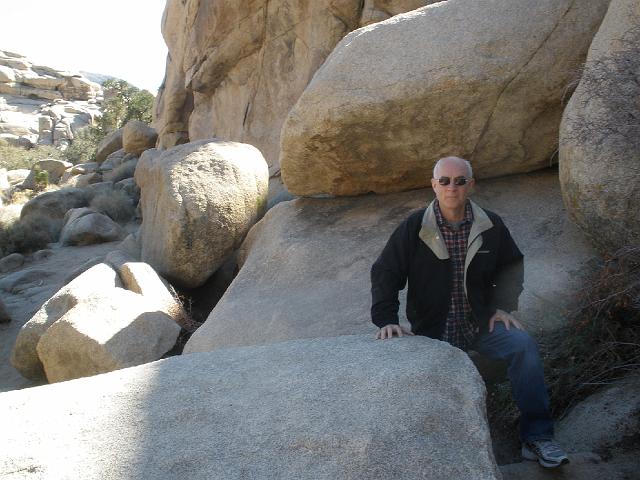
x=468, y=214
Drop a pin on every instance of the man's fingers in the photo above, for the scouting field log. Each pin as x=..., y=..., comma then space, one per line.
x=398, y=331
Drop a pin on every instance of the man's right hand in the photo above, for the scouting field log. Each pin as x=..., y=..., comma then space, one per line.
x=389, y=331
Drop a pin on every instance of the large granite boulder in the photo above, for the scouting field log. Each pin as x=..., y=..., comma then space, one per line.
x=109, y=144
x=482, y=79
x=198, y=201
x=240, y=83
x=600, y=134
x=105, y=331
x=337, y=408
x=137, y=137
x=90, y=227
x=311, y=258
x=54, y=204
x=24, y=356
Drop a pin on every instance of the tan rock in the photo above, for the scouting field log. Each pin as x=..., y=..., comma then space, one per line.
x=141, y=278
x=7, y=75
x=108, y=145
x=479, y=79
x=600, y=134
x=105, y=331
x=137, y=137
x=239, y=83
x=24, y=356
x=54, y=168
x=198, y=201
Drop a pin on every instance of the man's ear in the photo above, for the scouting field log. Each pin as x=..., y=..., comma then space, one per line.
x=434, y=182
x=472, y=186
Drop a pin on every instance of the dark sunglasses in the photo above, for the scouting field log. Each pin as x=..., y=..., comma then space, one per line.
x=458, y=181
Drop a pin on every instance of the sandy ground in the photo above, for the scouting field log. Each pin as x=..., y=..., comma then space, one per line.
x=23, y=292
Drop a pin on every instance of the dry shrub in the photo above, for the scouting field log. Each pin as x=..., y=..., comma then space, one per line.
x=601, y=343
x=28, y=235
x=116, y=204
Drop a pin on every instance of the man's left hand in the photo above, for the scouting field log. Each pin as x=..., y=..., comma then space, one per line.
x=506, y=318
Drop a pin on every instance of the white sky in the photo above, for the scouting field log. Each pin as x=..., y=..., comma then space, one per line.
x=120, y=38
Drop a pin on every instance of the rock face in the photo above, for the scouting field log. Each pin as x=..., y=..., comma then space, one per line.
x=41, y=105
x=600, y=134
x=137, y=137
x=105, y=331
x=234, y=69
x=198, y=201
x=24, y=356
x=315, y=409
x=311, y=258
x=479, y=79
x=605, y=419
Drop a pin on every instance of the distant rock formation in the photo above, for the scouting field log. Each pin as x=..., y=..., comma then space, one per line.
x=42, y=105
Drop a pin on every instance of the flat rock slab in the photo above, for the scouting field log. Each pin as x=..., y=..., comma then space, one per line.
x=337, y=408
x=307, y=267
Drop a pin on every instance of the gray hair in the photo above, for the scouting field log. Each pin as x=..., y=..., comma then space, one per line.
x=467, y=164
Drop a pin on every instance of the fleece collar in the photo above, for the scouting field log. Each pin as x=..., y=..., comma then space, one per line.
x=432, y=238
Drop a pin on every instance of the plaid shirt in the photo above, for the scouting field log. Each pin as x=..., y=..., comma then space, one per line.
x=460, y=329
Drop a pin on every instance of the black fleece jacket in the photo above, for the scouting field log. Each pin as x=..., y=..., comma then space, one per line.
x=494, y=278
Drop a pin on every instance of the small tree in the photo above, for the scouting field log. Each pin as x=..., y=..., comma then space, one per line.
x=124, y=102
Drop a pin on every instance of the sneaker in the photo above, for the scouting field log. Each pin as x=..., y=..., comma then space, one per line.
x=547, y=452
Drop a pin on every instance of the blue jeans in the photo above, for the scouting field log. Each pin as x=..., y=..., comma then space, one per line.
x=526, y=376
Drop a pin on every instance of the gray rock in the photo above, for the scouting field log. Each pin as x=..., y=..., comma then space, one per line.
x=17, y=176
x=89, y=229
x=311, y=258
x=98, y=188
x=82, y=168
x=338, y=408
x=198, y=202
x=11, y=262
x=54, y=204
x=482, y=79
x=105, y=331
x=42, y=254
x=76, y=213
x=24, y=356
x=603, y=420
x=18, y=281
x=600, y=134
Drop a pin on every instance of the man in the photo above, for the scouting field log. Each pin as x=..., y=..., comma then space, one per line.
x=464, y=274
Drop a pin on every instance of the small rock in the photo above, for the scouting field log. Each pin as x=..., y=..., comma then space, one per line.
x=11, y=262
x=137, y=137
x=89, y=229
x=42, y=254
x=4, y=315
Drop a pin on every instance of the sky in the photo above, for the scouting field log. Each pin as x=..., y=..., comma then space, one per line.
x=121, y=38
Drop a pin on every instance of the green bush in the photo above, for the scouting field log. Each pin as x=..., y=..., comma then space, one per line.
x=84, y=146
x=13, y=158
x=41, y=179
x=116, y=204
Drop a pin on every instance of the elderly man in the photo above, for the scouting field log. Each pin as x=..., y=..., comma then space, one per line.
x=464, y=274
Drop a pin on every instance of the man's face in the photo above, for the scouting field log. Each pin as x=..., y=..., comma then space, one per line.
x=452, y=196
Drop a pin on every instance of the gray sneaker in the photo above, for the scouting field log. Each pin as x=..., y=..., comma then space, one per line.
x=547, y=452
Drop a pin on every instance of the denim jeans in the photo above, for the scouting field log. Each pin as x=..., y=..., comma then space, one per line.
x=526, y=376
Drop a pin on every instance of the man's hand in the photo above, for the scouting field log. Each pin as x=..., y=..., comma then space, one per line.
x=389, y=331
x=506, y=318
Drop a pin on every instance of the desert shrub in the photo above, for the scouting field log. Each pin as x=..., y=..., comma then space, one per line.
x=116, y=204
x=13, y=158
x=83, y=146
x=41, y=178
x=28, y=235
x=601, y=343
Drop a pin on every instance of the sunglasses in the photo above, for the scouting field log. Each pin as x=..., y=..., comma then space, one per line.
x=458, y=181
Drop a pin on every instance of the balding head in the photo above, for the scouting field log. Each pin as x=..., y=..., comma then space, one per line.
x=452, y=160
